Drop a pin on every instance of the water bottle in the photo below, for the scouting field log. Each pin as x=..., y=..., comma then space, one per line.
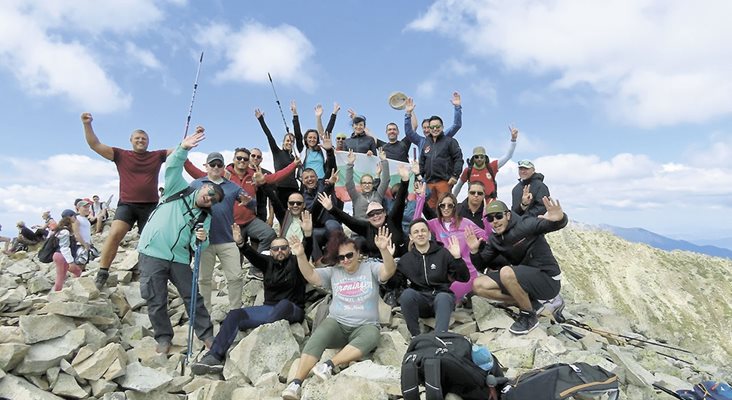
x=482, y=357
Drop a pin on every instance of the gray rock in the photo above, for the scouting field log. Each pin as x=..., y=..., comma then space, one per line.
x=98, y=313
x=115, y=396
x=268, y=348
x=129, y=262
x=12, y=387
x=11, y=334
x=83, y=289
x=102, y=386
x=143, y=379
x=489, y=317
x=37, y=328
x=67, y=386
x=133, y=296
x=94, y=367
x=344, y=387
x=154, y=395
x=634, y=372
x=45, y=355
x=11, y=354
x=39, y=283
x=388, y=377
x=391, y=349
x=94, y=337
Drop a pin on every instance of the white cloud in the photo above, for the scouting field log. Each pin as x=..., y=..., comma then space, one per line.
x=142, y=56
x=652, y=62
x=255, y=50
x=426, y=89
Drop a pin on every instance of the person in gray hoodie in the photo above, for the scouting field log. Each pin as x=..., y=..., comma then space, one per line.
x=368, y=193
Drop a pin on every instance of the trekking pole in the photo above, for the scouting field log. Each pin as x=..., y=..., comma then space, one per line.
x=194, y=295
x=630, y=338
x=277, y=99
x=193, y=97
x=667, y=391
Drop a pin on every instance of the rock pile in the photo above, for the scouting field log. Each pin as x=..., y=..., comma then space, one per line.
x=82, y=343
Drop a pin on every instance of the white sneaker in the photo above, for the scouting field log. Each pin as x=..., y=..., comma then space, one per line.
x=292, y=391
x=323, y=371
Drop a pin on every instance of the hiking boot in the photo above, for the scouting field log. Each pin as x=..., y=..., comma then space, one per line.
x=163, y=347
x=207, y=365
x=101, y=279
x=292, y=391
x=525, y=323
x=323, y=371
x=255, y=273
x=556, y=306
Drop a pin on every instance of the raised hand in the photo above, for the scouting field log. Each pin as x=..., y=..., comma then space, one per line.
x=452, y=181
x=382, y=154
x=514, y=132
x=333, y=177
x=554, y=210
x=318, y=111
x=378, y=169
x=86, y=118
x=415, y=167
x=296, y=246
x=244, y=199
x=307, y=223
x=418, y=188
x=472, y=240
x=351, y=113
x=293, y=107
x=409, y=107
x=325, y=200
x=383, y=239
x=325, y=140
x=455, y=99
x=527, y=197
x=336, y=108
x=258, y=177
x=404, y=172
x=236, y=231
x=258, y=113
x=297, y=161
x=192, y=141
x=454, y=246
x=351, y=159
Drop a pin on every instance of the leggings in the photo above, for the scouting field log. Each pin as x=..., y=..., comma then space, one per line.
x=252, y=317
x=61, y=268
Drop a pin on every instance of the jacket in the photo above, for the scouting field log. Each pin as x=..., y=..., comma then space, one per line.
x=361, y=200
x=169, y=232
x=361, y=144
x=434, y=270
x=523, y=243
x=419, y=140
x=282, y=158
x=538, y=189
x=441, y=159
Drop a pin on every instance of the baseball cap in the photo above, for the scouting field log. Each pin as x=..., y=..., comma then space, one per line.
x=496, y=206
x=82, y=202
x=214, y=156
x=374, y=206
x=68, y=213
x=479, y=151
x=525, y=164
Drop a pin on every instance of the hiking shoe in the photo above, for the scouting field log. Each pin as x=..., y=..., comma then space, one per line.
x=208, y=342
x=101, y=279
x=525, y=323
x=323, y=371
x=537, y=306
x=255, y=273
x=207, y=365
x=292, y=391
x=556, y=306
x=163, y=347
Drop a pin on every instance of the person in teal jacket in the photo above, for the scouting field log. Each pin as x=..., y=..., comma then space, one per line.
x=167, y=242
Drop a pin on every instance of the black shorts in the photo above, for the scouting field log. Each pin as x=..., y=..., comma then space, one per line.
x=134, y=212
x=538, y=284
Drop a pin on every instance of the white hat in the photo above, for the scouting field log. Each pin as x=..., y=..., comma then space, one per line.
x=398, y=100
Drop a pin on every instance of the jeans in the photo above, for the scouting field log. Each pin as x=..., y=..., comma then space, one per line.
x=420, y=304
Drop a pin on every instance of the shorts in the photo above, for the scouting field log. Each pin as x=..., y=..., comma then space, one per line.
x=134, y=212
x=538, y=284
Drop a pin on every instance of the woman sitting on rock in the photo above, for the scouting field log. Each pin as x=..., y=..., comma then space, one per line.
x=353, y=322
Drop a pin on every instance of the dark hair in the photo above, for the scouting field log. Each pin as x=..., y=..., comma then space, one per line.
x=479, y=183
x=335, y=241
x=392, y=123
x=217, y=190
x=417, y=221
x=242, y=150
x=435, y=117
x=455, y=215
x=65, y=223
x=309, y=170
x=317, y=138
x=427, y=120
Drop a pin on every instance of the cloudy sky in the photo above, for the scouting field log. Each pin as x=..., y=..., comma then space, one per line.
x=625, y=106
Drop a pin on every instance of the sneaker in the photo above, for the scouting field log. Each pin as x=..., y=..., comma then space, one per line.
x=323, y=371
x=101, y=278
x=207, y=365
x=292, y=391
x=255, y=273
x=556, y=306
x=163, y=347
x=525, y=323
x=537, y=306
x=208, y=342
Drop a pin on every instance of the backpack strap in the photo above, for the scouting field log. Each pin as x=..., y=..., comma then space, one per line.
x=178, y=195
x=432, y=379
x=410, y=378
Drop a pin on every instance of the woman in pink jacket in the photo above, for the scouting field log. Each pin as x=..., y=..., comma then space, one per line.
x=447, y=224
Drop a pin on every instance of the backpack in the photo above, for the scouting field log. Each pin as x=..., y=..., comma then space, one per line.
x=707, y=390
x=443, y=363
x=563, y=381
x=494, y=193
x=50, y=246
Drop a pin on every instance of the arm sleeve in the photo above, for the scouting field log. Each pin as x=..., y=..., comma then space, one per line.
x=541, y=225
x=192, y=170
x=64, y=241
x=456, y=154
x=299, y=141
x=485, y=255
x=281, y=174
x=457, y=270
x=330, y=163
x=255, y=258
x=356, y=225
x=460, y=182
x=350, y=185
x=331, y=123
x=272, y=143
x=384, y=184
x=508, y=155
x=457, y=122
x=400, y=203
x=419, y=206
x=410, y=133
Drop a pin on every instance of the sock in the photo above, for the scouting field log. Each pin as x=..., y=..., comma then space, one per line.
x=330, y=364
x=298, y=382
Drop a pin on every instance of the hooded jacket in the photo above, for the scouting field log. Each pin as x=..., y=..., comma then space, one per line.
x=441, y=159
x=538, y=189
x=523, y=243
x=434, y=270
x=361, y=200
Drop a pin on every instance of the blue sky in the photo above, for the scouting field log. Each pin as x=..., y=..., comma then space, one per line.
x=626, y=107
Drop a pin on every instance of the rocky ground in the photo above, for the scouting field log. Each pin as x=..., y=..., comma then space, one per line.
x=83, y=343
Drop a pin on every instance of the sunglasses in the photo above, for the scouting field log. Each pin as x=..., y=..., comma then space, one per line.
x=240, y=158
x=495, y=217
x=435, y=126
x=374, y=213
x=475, y=193
x=295, y=203
x=256, y=156
x=479, y=156
x=446, y=205
x=279, y=248
x=216, y=164
x=344, y=257
x=367, y=183
x=340, y=138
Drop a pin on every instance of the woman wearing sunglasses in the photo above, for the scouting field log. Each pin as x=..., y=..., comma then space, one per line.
x=448, y=223
x=353, y=321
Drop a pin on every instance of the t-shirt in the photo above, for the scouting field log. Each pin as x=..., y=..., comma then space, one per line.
x=355, y=296
x=138, y=174
x=483, y=176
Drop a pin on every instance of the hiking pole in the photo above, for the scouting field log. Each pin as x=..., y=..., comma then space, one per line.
x=606, y=333
x=193, y=97
x=277, y=99
x=194, y=295
x=667, y=391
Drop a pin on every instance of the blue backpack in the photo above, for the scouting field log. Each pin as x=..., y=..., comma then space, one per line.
x=707, y=390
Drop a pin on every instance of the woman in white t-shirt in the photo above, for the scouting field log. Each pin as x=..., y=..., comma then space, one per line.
x=64, y=256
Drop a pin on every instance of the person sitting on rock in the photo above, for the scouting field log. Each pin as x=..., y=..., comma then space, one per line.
x=98, y=214
x=67, y=249
x=533, y=273
x=430, y=269
x=353, y=322
x=284, y=295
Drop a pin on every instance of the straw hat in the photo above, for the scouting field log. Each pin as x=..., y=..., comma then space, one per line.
x=398, y=100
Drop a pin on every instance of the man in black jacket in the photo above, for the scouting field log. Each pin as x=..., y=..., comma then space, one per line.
x=431, y=269
x=441, y=161
x=529, y=191
x=533, y=273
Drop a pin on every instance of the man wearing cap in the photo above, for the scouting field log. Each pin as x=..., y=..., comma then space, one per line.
x=529, y=191
x=395, y=149
x=359, y=141
x=481, y=169
x=440, y=162
x=410, y=122
x=532, y=278
x=138, y=188
x=173, y=231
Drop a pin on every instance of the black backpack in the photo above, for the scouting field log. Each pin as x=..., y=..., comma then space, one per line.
x=50, y=246
x=443, y=363
x=562, y=381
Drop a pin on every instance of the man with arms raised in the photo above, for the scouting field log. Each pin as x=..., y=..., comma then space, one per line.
x=138, y=188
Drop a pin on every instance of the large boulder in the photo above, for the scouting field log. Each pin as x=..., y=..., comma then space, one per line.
x=94, y=367
x=37, y=328
x=13, y=387
x=11, y=354
x=45, y=355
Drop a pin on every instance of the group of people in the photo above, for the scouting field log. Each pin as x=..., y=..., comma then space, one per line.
x=434, y=255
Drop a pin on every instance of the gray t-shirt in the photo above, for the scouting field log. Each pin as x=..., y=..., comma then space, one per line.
x=355, y=296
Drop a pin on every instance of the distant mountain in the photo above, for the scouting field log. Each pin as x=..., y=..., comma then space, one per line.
x=640, y=235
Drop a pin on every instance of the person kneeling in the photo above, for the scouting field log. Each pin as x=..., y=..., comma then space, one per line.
x=430, y=269
x=353, y=322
